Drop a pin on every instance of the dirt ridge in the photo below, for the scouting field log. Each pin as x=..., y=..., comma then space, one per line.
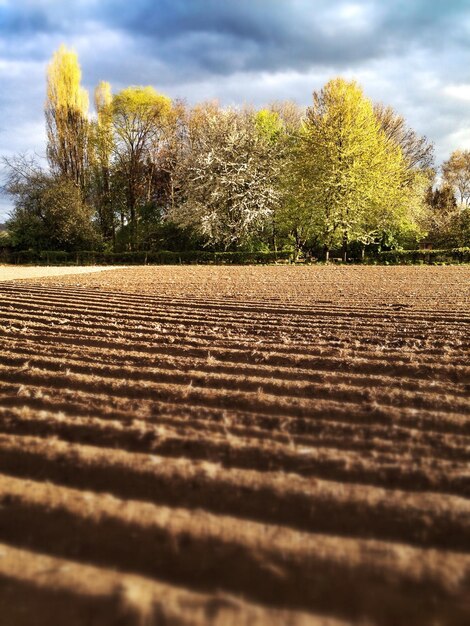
x=236, y=446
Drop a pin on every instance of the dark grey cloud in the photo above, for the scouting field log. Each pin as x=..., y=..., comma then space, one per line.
x=273, y=35
x=224, y=36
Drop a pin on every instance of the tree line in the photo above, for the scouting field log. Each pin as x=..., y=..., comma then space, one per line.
x=145, y=172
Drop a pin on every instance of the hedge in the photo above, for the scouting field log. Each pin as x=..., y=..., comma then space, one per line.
x=454, y=255
x=161, y=257
x=167, y=257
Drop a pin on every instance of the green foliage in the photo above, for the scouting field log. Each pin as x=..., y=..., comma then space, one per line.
x=454, y=255
x=101, y=143
x=5, y=239
x=148, y=178
x=140, y=119
x=142, y=103
x=446, y=223
x=49, y=214
x=154, y=233
x=346, y=178
x=160, y=257
x=268, y=124
x=462, y=228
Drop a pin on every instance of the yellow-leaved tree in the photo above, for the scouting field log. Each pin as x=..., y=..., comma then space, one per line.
x=140, y=120
x=66, y=111
x=347, y=176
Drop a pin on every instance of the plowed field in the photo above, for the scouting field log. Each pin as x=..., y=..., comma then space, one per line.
x=236, y=446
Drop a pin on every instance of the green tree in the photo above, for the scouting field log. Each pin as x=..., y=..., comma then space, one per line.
x=274, y=127
x=49, y=212
x=346, y=172
x=447, y=223
x=102, y=145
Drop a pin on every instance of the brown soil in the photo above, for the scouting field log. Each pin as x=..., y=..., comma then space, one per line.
x=236, y=446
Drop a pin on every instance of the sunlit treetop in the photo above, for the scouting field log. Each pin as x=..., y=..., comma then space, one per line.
x=63, y=82
x=269, y=124
x=103, y=96
x=141, y=100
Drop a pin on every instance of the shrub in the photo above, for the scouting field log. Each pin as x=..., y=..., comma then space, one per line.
x=454, y=255
x=54, y=257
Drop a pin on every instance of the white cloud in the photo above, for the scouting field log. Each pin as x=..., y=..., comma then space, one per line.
x=356, y=15
x=459, y=92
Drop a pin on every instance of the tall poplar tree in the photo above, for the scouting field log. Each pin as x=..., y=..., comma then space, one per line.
x=66, y=111
x=100, y=157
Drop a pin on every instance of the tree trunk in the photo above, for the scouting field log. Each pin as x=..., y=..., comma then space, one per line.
x=133, y=226
x=297, y=245
x=327, y=254
x=345, y=246
x=109, y=231
x=274, y=237
x=132, y=215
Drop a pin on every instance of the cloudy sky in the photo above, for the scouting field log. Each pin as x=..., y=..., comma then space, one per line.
x=412, y=54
